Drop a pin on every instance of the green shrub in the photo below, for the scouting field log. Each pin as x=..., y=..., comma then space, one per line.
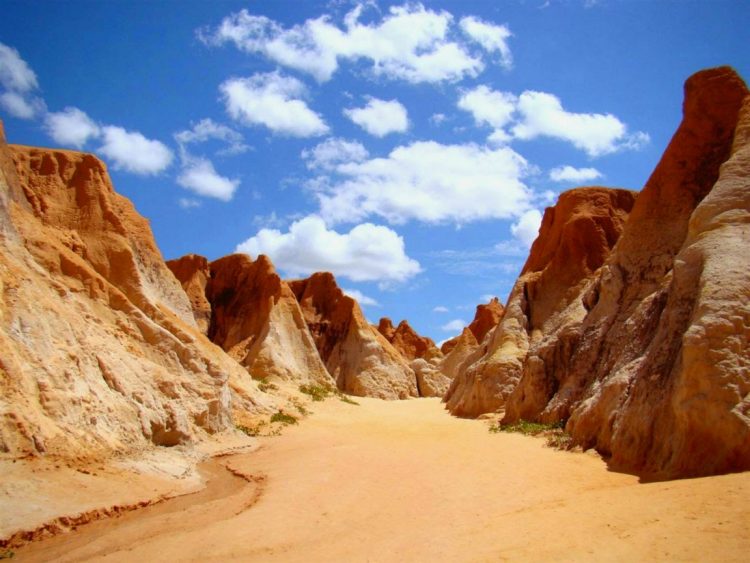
x=7, y=554
x=283, y=418
x=265, y=386
x=527, y=428
x=316, y=392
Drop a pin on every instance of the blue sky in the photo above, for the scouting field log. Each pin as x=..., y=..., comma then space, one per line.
x=409, y=148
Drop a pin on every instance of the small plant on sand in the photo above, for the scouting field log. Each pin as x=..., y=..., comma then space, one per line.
x=346, y=398
x=283, y=418
x=7, y=554
x=251, y=430
x=554, y=432
x=265, y=386
x=316, y=392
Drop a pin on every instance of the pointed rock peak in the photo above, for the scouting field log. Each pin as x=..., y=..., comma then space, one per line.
x=486, y=318
x=386, y=328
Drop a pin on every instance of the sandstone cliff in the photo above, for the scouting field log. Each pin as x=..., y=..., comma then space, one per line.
x=359, y=358
x=253, y=315
x=486, y=317
x=657, y=376
x=575, y=237
x=406, y=340
x=100, y=352
x=646, y=359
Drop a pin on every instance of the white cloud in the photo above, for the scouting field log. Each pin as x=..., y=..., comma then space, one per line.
x=456, y=325
x=19, y=83
x=597, y=134
x=526, y=228
x=437, y=118
x=440, y=309
x=272, y=100
x=71, y=127
x=493, y=38
x=410, y=43
x=366, y=253
x=569, y=174
x=199, y=176
x=332, y=152
x=19, y=106
x=188, y=203
x=206, y=130
x=15, y=73
x=132, y=152
x=361, y=298
x=429, y=182
x=380, y=117
x=490, y=107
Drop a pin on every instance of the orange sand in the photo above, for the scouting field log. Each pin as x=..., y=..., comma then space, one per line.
x=403, y=481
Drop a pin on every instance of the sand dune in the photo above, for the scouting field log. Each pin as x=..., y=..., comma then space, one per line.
x=403, y=481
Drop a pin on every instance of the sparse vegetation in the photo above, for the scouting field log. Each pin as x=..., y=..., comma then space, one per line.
x=265, y=386
x=7, y=554
x=554, y=432
x=283, y=418
x=316, y=392
x=322, y=392
x=300, y=407
x=251, y=430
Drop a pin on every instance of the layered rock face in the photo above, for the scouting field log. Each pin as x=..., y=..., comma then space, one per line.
x=253, y=315
x=406, y=340
x=658, y=377
x=575, y=237
x=359, y=358
x=486, y=317
x=647, y=359
x=100, y=352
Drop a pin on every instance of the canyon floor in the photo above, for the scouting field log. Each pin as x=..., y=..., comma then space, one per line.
x=403, y=481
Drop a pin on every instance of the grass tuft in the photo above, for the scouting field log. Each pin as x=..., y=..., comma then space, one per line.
x=554, y=432
x=283, y=418
x=316, y=392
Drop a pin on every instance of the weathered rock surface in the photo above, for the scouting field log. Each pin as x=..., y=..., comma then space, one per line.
x=406, y=340
x=647, y=360
x=486, y=317
x=431, y=381
x=658, y=378
x=575, y=237
x=253, y=315
x=359, y=358
x=100, y=352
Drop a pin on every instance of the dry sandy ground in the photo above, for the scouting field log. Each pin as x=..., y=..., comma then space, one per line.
x=403, y=481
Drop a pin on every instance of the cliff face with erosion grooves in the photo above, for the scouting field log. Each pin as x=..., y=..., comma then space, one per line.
x=253, y=315
x=100, y=349
x=406, y=340
x=486, y=317
x=657, y=375
x=360, y=359
x=575, y=237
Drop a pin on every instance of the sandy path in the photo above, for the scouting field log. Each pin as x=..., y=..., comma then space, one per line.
x=403, y=481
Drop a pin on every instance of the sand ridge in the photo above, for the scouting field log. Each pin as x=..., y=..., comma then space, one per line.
x=403, y=481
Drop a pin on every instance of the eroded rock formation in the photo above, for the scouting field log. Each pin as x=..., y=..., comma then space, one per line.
x=486, y=317
x=647, y=358
x=359, y=358
x=253, y=315
x=100, y=352
x=575, y=237
x=406, y=340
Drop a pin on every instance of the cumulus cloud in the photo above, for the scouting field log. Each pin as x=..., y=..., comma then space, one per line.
x=490, y=107
x=332, y=152
x=437, y=118
x=440, y=309
x=206, y=130
x=542, y=114
x=188, y=202
x=380, y=117
x=493, y=38
x=366, y=253
x=132, y=152
x=199, y=176
x=361, y=298
x=71, y=127
x=569, y=174
x=409, y=43
x=456, y=325
x=272, y=100
x=429, y=182
x=526, y=228
x=19, y=83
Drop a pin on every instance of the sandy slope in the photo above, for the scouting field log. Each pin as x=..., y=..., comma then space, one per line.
x=402, y=481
